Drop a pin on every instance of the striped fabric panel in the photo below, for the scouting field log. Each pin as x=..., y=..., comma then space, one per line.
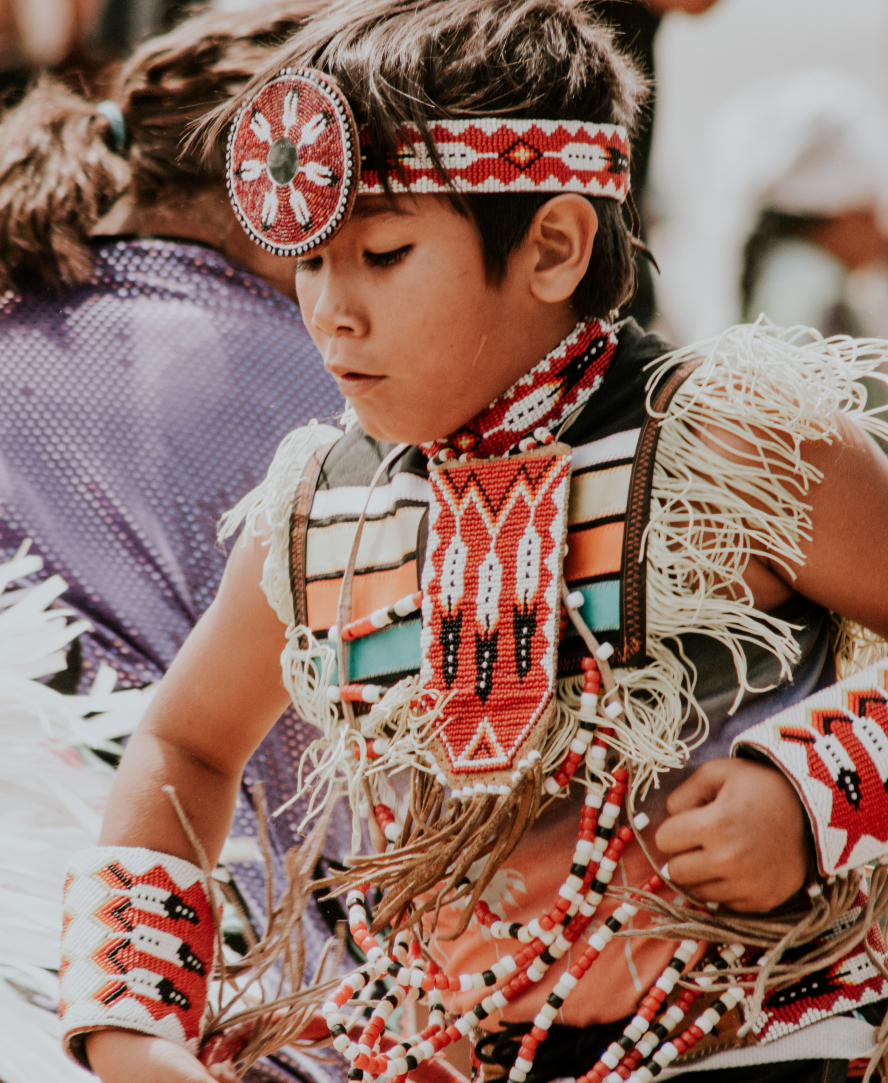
x=349, y=501
x=370, y=590
x=598, y=494
x=387, y=570
x=594, y=552
x=384, y=543
x=612, y=449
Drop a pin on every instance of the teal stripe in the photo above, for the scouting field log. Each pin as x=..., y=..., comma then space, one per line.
x=601, y=608
x=396, y=649
x=391, y=650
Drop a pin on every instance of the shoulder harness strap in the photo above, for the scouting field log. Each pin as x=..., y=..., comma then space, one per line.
x=299, y=519
x=633, y=573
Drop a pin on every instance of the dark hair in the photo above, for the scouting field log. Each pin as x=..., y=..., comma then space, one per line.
x=411, y=61
x=60, y=170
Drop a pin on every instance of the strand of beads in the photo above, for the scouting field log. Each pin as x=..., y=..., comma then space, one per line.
x=355, y=693
x=695, y=1033
x=549, y=938
x=641, y=1023
x=568, y=981
x=387, y=822
x=540, y=436
x=659, y=1032
x=378, y=619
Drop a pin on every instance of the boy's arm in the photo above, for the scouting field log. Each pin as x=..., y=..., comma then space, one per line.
x=735, y=833
x=222, y=694
x=836, y=753
x=220, y=697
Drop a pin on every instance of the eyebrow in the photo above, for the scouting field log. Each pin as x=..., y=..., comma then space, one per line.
x=374, y=210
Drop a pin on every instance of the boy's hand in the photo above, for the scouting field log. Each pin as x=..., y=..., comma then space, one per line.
x=123, y=1056
x=736, y=836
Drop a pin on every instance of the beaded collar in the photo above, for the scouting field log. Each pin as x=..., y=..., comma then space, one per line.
x=542, y=399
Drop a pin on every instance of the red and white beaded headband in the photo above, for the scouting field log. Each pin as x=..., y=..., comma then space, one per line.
x=295, y=160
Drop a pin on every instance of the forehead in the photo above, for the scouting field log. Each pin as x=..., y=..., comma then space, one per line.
x=367, y=207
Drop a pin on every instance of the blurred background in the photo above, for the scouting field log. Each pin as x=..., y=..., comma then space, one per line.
x=766, y=181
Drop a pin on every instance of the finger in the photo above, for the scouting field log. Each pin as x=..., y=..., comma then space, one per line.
x=685, y=831
x=224, y=1073
x=700, y=789
x=691, y=869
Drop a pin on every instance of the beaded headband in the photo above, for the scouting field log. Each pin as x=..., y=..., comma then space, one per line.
x=296, y=160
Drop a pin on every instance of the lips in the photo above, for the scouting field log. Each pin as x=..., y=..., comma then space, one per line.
x=355, y=384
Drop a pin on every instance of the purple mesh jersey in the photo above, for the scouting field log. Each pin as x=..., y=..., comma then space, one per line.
x=135, y=411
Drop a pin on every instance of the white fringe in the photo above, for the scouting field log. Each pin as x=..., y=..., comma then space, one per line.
x=53, y=791
x=768, y=390
x=266, y=512
x=760, y=388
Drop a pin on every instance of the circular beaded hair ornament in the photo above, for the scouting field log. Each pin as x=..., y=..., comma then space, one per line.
x=293, y=162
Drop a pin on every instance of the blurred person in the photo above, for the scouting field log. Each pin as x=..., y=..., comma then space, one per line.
x=791, y=220
x=152, y=359
x=44, y=33
x=817, y=186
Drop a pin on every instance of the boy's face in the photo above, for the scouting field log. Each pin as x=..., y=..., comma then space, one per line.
x=399, y=305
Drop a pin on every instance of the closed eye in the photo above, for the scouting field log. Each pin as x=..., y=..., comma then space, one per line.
x=313, y=263
x=387, y=259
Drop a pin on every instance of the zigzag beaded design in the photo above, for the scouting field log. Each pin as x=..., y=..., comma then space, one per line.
x=137, y=946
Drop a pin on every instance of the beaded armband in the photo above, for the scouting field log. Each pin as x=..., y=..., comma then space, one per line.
x=833, y=746
x=137, y=947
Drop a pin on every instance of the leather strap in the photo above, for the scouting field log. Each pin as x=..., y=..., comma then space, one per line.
x=299, y=519
x=633, y=572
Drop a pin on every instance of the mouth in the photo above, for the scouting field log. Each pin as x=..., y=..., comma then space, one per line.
x=355, y=384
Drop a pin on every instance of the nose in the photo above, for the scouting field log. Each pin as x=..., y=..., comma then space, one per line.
x=336, y=312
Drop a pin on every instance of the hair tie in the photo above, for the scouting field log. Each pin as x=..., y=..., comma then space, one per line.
x=112, y=112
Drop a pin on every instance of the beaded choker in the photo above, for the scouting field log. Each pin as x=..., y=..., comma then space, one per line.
x=538, y=402
x=296, y=160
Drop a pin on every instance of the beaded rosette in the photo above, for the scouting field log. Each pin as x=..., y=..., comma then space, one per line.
x=292, y=167
x=296, y=160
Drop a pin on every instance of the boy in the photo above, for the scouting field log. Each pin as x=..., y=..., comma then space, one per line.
x=761, y=504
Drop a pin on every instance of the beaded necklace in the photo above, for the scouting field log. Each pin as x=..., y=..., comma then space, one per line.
x=539, y=402
x=645, y=1048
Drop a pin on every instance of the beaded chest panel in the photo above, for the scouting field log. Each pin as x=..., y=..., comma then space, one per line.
x=491, y=605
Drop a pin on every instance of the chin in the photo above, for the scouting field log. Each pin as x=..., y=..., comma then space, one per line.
x=393, y=432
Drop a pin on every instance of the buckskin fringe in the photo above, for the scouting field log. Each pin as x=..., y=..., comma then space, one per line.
x=443, y=837
x=770, y=391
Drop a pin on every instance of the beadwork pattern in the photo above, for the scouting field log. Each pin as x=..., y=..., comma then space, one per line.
x=834, y=745
x=137, y=946
x=563, y=381
x=498, y=154
x=292, y=162
x=296, y=160
x=491, y=584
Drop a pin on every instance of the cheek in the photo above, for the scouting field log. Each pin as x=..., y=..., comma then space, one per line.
x=307, y=293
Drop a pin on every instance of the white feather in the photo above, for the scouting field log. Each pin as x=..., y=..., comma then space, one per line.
x=53, y=791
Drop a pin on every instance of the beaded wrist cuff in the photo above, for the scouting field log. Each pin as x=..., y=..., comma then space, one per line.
x=833, y=746
x=138, y=944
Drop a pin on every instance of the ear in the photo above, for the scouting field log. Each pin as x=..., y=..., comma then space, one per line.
x=559, y=246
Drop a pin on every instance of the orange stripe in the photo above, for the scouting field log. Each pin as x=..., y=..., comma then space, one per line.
x=370, y=591
x=597, y=551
